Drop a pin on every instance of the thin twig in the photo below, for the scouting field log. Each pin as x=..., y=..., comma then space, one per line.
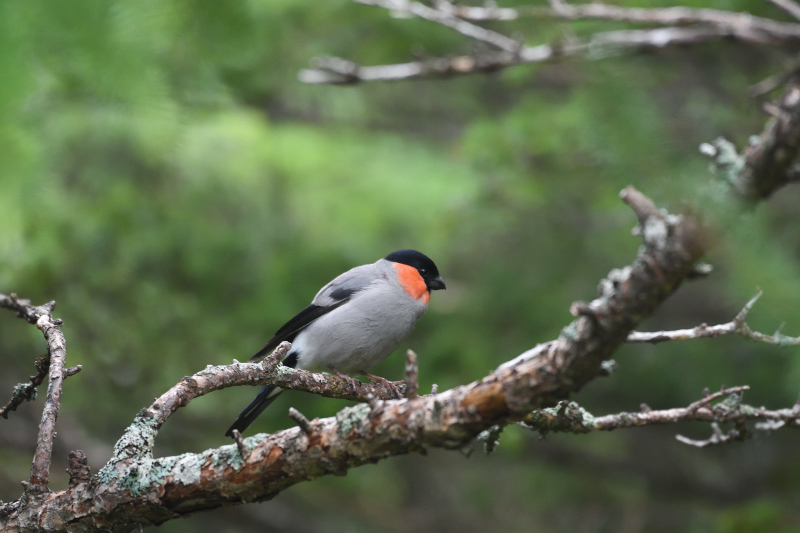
x=27, y=391
x=744, y=23
x=79, y=471
x=237, y=438
x=570, y=417
x=412, y=373
x=302, y=421
x=41, y=316
x=737, y=326
x=600, y=45
x=717, y=436
x=472, y=31
x=775, y=82
x=681, y=26
x=789, y=6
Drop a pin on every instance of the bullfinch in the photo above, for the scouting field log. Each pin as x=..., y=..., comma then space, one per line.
x=354, y=322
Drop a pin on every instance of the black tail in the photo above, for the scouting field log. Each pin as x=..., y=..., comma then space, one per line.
x=262, y=401
x=251, y=412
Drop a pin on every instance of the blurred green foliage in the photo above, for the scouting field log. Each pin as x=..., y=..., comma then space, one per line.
x=166, y=179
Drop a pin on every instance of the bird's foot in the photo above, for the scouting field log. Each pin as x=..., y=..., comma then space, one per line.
x=343, y=376
x=391, y=385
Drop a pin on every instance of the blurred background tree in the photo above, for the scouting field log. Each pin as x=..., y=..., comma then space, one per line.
x=166, y=178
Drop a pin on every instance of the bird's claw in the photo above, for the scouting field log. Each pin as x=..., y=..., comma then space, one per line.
x=346, y=378
x=391, y=385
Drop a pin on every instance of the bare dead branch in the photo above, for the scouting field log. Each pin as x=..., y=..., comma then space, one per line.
x=737, y=326
x=412, y=373
x=682, y=26
x=789, y=6
x=571, y=418
x=743, y=25
x=42, y=318
x=444, y=18
x=79, y=471
x=302, y=421
x=240, y=445
x=601, y=45
x=773, y=83
x=717, y=437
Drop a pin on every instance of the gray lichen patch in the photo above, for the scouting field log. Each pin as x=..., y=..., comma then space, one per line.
x=350, y=418
x=24, y=391
x=608, y=285
x=727, y=162
x=227, y=455
x=490, y=438
x=282, y=370
x=137, y=441
x=566, y=416
x=186, y=468
x=145, y=473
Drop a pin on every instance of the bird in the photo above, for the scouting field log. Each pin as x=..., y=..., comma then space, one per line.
x=353, y=323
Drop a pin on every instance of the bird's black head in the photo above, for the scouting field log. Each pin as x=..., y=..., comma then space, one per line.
x=426, y=268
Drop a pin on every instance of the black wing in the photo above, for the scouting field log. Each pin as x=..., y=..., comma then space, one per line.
x=290, y=330
x=262, y=401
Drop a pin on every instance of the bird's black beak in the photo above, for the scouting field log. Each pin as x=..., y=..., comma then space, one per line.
x=436, y=284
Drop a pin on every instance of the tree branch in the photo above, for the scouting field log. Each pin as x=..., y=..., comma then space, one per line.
x=683, y=26
x=444, y=18
x=42, y=318
x=27, y=391
x=139, y=438
x=338, y=71
x=737, y=326
x=569, y=417
x=742, y=26
x=768, y=162
x=789, y=6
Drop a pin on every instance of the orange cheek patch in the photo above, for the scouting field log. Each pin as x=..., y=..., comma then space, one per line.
x=412, y=282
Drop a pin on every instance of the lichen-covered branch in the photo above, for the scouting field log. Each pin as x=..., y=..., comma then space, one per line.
x=27, y=391
x=41, y=317
x=569, y=417
x=139, y=438
x=769, y=161
x=737, y=326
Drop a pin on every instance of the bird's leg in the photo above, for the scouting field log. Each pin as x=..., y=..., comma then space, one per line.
x=392, y=385
x=343, y=376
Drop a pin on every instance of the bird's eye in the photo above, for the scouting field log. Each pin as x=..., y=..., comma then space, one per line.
x=423, y=271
